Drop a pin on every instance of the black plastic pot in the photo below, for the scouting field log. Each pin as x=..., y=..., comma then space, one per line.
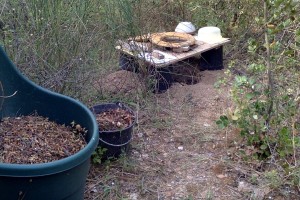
x=117, y=141
x=212, y=59
x=160, y=79
x=128, y=63
x=62, y=179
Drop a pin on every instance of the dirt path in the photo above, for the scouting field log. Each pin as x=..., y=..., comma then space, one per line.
x=177, y=153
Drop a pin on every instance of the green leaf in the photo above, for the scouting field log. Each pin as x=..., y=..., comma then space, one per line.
x=257, y=19
x=287, y=23
x=282, y=153
x=224, y=118
x=249, y=96
x=240, y=80
x=243, y=133
x=222, y=122
x=263, y=147
x=297, y=38
x=234, y=117
x=284, y=131
x=297, y=125
x=277, y=3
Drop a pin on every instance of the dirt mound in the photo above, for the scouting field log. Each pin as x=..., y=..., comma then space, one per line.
x=121, y=83
x=187, y=74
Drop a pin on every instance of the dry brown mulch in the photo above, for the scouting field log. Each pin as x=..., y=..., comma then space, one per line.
x=35, y=139
x=114, y=119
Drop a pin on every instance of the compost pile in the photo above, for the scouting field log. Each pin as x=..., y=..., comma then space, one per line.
x=34, y=139
x=114, y=119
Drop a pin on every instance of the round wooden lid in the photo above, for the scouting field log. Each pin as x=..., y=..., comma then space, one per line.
x=172, y=39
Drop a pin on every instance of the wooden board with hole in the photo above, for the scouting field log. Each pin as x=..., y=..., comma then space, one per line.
x=138, y=50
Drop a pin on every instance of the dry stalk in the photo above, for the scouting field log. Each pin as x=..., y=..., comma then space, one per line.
x=294, y=130
x=269, y=65
x=4, y=97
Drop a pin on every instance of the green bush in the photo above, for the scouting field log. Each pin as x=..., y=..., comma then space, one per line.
x=266, y=98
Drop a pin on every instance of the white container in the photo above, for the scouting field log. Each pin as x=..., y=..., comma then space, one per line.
x=185, y=27
x=210, y=34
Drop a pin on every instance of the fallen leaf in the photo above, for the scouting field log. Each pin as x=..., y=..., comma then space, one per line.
x=221, y=176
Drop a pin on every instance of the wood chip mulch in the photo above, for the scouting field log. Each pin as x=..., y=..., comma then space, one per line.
x=114, y=119
x=35, y=139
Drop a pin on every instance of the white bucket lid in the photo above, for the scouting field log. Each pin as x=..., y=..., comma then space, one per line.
x=210, y=34
x=185, y=27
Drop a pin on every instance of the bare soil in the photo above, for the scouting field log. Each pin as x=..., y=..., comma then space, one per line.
x=178, y=152
x=35, y=139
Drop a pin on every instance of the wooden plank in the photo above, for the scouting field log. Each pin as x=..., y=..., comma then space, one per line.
x=196, y=50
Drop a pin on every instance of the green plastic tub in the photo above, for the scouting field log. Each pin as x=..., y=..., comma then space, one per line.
x=62, y=179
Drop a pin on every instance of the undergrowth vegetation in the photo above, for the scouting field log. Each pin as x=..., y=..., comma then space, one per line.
x=265, y=95
x=66, y=46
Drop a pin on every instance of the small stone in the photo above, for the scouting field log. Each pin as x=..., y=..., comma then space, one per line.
x=180, y=148
x=140, y=134
x=157, y=55
x=221, y=176
x=78, y=127
x=133, y=196
x=244, y=187
x=94, y=190
x=206, y=125
x=119, y=124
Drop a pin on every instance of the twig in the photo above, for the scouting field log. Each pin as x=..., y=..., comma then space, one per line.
x=3, y=7
x=269, y=66
x=5, y=97
x=294, y=132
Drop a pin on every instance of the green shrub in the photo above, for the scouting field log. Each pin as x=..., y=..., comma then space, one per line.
x=266, y=98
